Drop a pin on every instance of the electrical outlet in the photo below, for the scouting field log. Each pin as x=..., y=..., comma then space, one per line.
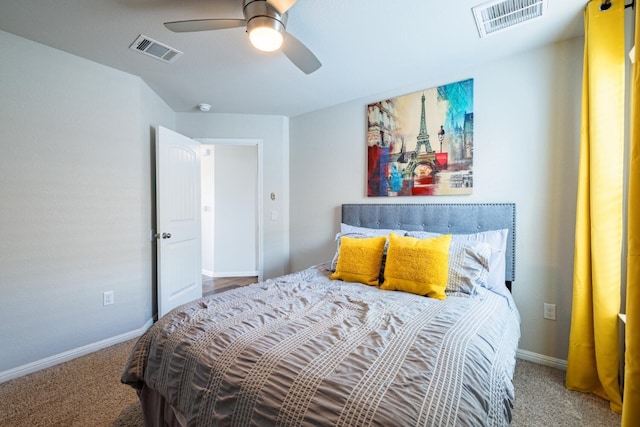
x=550, y=311
x=107, y=298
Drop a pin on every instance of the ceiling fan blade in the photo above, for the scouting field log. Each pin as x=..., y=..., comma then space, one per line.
x=204, y=25
x=281, y=5
x=299, y=54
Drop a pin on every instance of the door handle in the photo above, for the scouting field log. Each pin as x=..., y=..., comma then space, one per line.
x=166, y=235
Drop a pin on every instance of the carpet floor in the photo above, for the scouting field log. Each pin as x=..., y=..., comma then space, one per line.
x=87, y=392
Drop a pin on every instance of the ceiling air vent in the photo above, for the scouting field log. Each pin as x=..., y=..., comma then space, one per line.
x=499, y=15
x=164, y=53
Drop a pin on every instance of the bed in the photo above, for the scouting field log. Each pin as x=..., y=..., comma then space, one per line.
x=310, y=348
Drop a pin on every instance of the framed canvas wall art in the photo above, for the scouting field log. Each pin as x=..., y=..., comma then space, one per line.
x=421, y=144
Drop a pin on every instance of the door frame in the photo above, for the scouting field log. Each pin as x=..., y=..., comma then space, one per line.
x=260, y=188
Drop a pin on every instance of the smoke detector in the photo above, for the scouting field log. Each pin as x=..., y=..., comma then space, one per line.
x=500, y=15
x=204, y=107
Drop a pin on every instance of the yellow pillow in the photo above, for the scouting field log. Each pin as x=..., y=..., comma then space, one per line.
x=417, y=266
x=359, y=260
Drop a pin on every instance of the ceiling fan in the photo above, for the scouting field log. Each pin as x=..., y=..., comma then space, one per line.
x=266, y=22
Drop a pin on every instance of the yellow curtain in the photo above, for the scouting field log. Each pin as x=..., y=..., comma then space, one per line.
x=592, y=364
x=631, y=404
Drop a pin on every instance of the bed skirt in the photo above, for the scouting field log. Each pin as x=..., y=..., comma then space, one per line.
x=156, y=411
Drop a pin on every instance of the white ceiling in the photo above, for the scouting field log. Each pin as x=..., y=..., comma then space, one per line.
x=366, y=46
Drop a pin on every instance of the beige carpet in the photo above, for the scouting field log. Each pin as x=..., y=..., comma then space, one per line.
x=87, y=392
x=82, y=392
x=543, y=400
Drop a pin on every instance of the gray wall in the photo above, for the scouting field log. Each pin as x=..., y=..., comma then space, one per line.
x=75, y=201
x=527, y=122
x=77, y=204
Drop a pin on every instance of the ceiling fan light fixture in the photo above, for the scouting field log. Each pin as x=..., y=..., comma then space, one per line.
x=265, y=22
x=265, y=33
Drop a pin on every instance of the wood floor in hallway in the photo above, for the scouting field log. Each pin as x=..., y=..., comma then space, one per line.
x=212, y=285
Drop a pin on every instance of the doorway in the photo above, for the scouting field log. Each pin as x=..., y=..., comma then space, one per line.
x=231, y=212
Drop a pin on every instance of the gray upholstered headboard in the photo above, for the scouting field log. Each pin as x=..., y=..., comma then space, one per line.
x=460, y=218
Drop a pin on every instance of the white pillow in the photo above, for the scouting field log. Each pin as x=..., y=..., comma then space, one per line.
x=350, y=229
x=497, y=239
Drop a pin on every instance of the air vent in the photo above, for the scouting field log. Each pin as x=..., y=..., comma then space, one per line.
x=499, y=15
x=155, y=49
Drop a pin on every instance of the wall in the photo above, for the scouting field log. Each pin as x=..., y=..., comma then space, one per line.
x=229, y=196
x=236, y=174
x=274, y=134
x=77, y=180
x=527, y=122
x=77, y=210
x=76, y=205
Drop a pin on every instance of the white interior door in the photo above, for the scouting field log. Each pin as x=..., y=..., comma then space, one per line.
x=178, y=219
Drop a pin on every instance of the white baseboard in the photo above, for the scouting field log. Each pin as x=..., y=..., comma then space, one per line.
x=235, y=274
x=71, y=354
x=541, y=359
x=207, y=273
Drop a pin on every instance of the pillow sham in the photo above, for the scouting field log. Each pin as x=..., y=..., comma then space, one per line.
x=418, y=266
x=359, y=260
x=468, y=266
x=497, y=239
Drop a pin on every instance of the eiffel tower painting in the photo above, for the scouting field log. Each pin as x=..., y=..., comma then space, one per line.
x=423, y=136
x=404, y=160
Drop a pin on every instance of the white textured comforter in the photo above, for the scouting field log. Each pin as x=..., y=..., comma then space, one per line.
x=305, y=350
